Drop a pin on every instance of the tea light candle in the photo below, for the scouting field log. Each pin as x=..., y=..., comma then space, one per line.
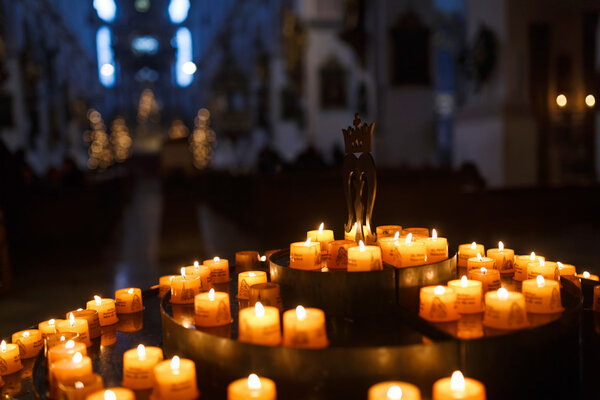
x=503, y=257
x=30, y=342
x=304, y=328
x=247, y=279
x=107, y=312
x=48, y=327
x=305, y=255
x=479, y=262
x=175, y=380
x=323, y=236
x=91, y=316
x=410, y=253
x=469, y=295
x=65, y=350
x=185, y=287
x=548, y=269
x=113, y=393
x=212, y=309
x=267, y=293
x=138, y=366
x=469, y=250
x=566, y=269
x=490, y=279
x=394, y=390
x=164, y=284
x=542, y=296
x=81, y=388
x=521, y=264
x=10, y=361
x=219, y=269
x=77, y=325
x=505, y=310
x=202, y=272
x=437, y=247
x=254, y=387
x=68, y=369
x=418, y=233
x=587, y=275
x=387, y=231
x=247, y=259
x=458, y=387
x=438, y=304
x=364, y=258
x=128, y=300
x=338, y=253
x=389, y=249
x=260, y=325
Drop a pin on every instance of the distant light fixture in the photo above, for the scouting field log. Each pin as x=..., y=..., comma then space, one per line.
x=183, y=55
x=178, y=10
x=561, y=100
x=188, y=68
x=106, y=59
x=145, y=44
x=142, y=5
x=106, y=9
x=590, y=100
x=107, y=70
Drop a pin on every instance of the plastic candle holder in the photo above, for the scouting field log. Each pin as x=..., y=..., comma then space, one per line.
x=324, y=237
x=175, y=380
x=409, y=253
x=305, y=255
x=107, y=311
x=138, y=366
x=504, y=258
x=458, y=387
x=393, y=390
x=566, y=269
x=304, y=328
x=212, y=309
x=66, y=370
x=468, y=250
x=30, y=342
x=267, y=293
x=469, y=295
x=418, y=233
x=521, y=264
x=185, y=287
x=164, y=284
x=247, y=279
x=80, y=389
x=113, y=393
x=254, y=387
x=48, y=327
x=129, y=300
x=438, y=304
x=10, y=361
x=505, y=310
x=478, y=262
x=77, y=325
x=387, y=231
x=91, y=316
x=542, y=296
x=437, y=247
x=201, y=271
x=548, y=269
x=219, y=269
x=364, y=258
x=489, y=278
x=260, y=325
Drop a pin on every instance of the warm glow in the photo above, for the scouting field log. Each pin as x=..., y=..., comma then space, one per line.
x=253, y=382
x=479, y=258
x=211, y=294
x=540, y=281
x=51, y=322
x=433, y=237
x=196, y=265
x=324, y=269
x=70, y=344
x=484, y=270
x=109, y=395
x=542, y=262
x=259, y=310
x=141, y=351
x=502, y=294
x=561, y=100
x=307, y=243
x=130, y=291
x=408, y=239
x=396, y=235
x=560, y=265
x=439, y=290
x=3, y=346
x=321, y=227
x=79, y=385
x=62, y=338
x=77, y=358
x=532, y=256
x=590, y=100
x=183, y=272
x=216, y=260
x=586, y=275
x=175, y=363
x=98, y=300
x=500, y=246
x=26, y=334
x=394, y=392
x=263, y=258
x=71, y=320
x=79, y=309
x=251, y=274
x=300, y=313
x=457, y=382
x=361, y=245
x=464, y=281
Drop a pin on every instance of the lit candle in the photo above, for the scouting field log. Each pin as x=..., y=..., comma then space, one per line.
x=65, y=351
x=184, y=288
x=202, y=272
x=113, y=393
x=212, y=309
x=364, y=258
x=323, y=236
x=479, y=262
x=458, y=387
x=252, y=388
x=175, y=380
x=81, y=388
x=69, y=369
x=417, y=233
x=389, y=249
x=247, y=259
x=91, y=316
x=410, y=253
x=260, y=325
x=77, y=325
x=48, y=327
x=387, y=231
x=107, y=312
x=469, y=250
x=548, y=269
x=469, y=295
x=542, y=296
x=521, y=264
x=10, y=361
x=505, y=310
x=30, y=342
x=164, y=284
x=587, y=275
x=394, y=390
x=490, y=279
x=219, y=269
x=138, y=366
x=338, y=253
x=438, y=304
x=503, y=257
x=247, y=279
x=128, y=300
x=437, y=247
x=305, y=255
x=566, y=269
x=304, y=328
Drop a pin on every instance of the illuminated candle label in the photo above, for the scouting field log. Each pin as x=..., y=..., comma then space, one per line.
x=109, y=313
x=136, y=303
x=555, y=303
x=244, y=291
x=135, y=373
x=3, y=366
x=341, y=258
x=178, y=387
x=223, y=315
x=438, y=309
x=467, y=299
x=218, y=274
x=516, y=316
x=409, y=258
x=438, y=252
x=187, y=294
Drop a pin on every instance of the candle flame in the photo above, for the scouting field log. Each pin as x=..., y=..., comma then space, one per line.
x=473, y=245
x=71, y=320
x=361, y=245
x=175, y=363
x=70, y=344
x=183, y=272
x=408, y=238
x=540, y=281
x=464, y=281
x=259, y=310
x=307, y=243
x=300, y=313
x=141, y=351
x=439, y=290
x=77, y=358
x=321, y=227
x=211, y=294
x=51, y=322
x=62, y=338
x=502, y=293
x=79, y=309
x=457, y=382
x=560, y=265
x=396, y=235
x=98, y=300
x=500, y=246
x=433, y=237
x=586, y=275
x=263, y=258
x=216, y=260
x=325, y=269
x=541, y=261
x=130, y=291
x=196, y=265
x=483, y=270
x=394, y=392
x=254, y=382
x=532, y=256
x=109, y=395
x=3, y=346
x=78, y=385
x=479, y=258
x=26, y=334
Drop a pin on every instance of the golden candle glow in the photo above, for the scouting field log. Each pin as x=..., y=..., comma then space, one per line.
x=561, y=100
x=468, y=250
x=394, y=393
x=590, y=100
x=253, y=387
x=253, y=381
x=109, y=395
x=394, y=390
x=175, y=364
x=457, y=382
x=438, y=304
x=138, y=366
x=469, y=299
x=260, y=325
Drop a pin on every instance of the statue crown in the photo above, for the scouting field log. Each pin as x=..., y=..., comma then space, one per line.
x=357, y=139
